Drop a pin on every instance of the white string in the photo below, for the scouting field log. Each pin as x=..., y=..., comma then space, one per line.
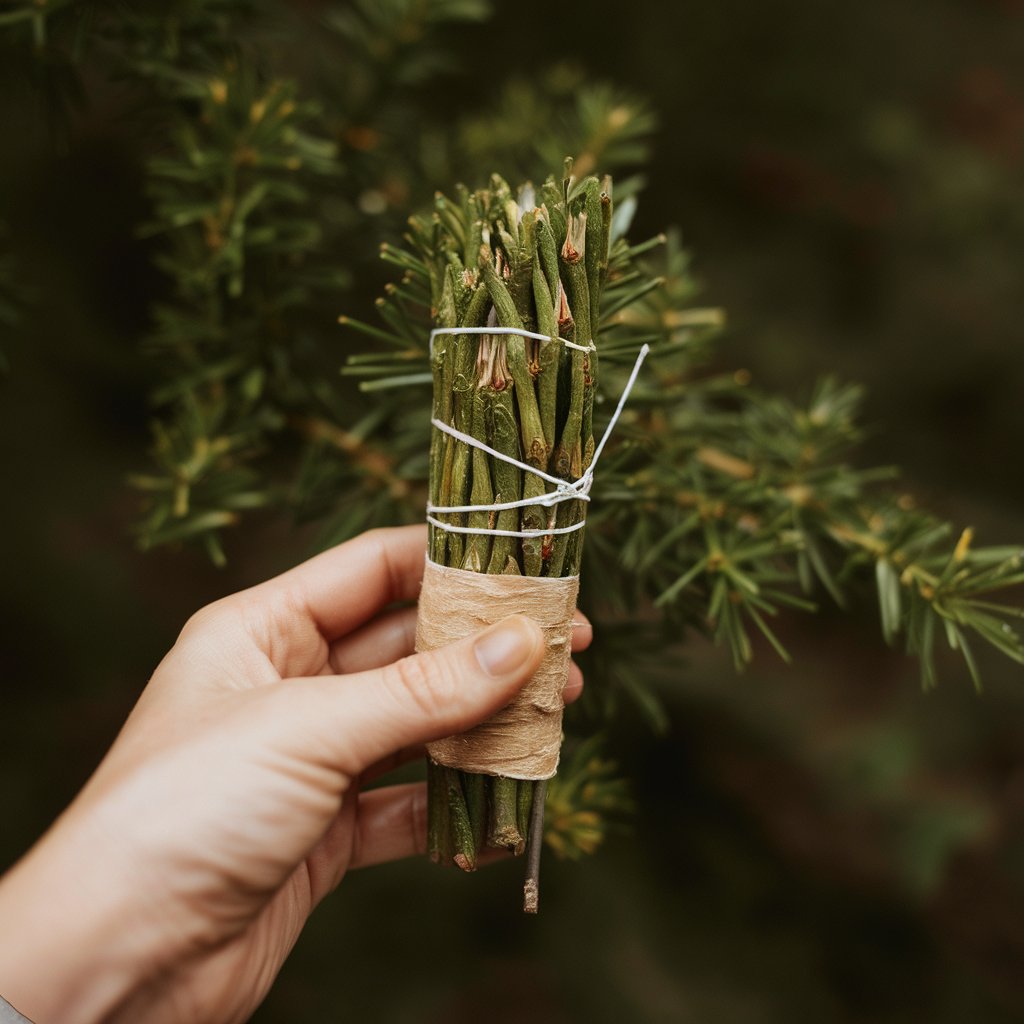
x=518, y=332
x=548, y=500
x=560, y=484
x=622, y=404
x=565, y=490
x=450, y=528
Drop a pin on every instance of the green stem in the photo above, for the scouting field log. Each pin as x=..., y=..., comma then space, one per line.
x=550, y=357
x=461, y=829
x=464, y=387
x=504, y=437
x=475, y=787
x=593, y=254
x=606, y=234
x=503, y=831
x=547, y=254
x=478, y=546
x=439, y=845
x=567, y=457
x=440, y=447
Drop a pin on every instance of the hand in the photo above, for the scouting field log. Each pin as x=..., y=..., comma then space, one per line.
x=177, y=882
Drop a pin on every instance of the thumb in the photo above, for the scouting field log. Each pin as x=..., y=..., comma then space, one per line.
x=364, y=717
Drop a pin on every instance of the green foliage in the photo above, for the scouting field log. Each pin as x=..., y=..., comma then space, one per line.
x=604, y=127
x=755, y=504
x=585, y=800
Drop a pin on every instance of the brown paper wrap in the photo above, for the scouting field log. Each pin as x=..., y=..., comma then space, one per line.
x=523, y=740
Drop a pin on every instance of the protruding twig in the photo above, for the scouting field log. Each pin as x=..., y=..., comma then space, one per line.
x=531, y=888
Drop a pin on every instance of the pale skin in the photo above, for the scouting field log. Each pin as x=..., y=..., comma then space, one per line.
x=177, y=882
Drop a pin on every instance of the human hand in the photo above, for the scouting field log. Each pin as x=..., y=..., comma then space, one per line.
x=177, y=882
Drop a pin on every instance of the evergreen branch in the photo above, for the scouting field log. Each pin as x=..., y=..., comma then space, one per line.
x=585, y=800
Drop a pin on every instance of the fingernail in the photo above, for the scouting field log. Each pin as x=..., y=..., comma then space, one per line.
x=505, y=647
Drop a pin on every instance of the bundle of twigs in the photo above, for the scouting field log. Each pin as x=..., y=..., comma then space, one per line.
x=535, y=262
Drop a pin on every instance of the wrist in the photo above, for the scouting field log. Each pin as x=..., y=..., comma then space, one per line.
x=71, y=948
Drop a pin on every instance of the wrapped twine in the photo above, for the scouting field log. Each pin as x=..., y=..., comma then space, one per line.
x=522, y=741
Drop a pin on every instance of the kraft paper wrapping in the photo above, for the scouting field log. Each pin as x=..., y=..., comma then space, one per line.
x=523, y=740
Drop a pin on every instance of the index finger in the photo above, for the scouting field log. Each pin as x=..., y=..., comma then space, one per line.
x=349, y=584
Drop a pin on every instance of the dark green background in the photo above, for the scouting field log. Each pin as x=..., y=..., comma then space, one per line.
x=821, y=843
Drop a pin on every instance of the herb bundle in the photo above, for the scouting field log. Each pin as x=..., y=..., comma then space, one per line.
x=536, y=263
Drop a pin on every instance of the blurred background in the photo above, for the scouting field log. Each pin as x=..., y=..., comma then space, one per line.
x=821, y=842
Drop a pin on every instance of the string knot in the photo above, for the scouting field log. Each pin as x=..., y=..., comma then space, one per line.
x=563, y=490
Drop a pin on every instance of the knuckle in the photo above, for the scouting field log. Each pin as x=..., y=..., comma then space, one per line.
x=427, y=683
x=206, y=618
